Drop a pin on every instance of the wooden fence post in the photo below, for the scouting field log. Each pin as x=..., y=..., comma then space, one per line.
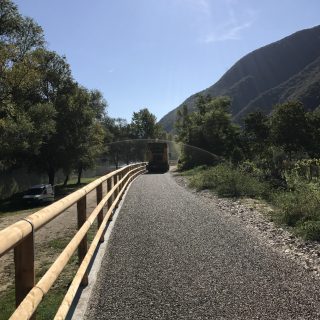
x=24, y=268
x=99, y=192
x=83, y=246
x=115, y=181
x=109, y=187
x=118, y=179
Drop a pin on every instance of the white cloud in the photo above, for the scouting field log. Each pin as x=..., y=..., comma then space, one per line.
x=219, y=20
x=236, y=21
x=227, y=32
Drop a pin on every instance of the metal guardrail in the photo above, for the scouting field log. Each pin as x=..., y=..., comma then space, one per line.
x=20, y=237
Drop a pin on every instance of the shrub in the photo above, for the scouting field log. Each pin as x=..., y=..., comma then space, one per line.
x=300, y=204
x=193, y=171
x=309, y=230
x=229, y=182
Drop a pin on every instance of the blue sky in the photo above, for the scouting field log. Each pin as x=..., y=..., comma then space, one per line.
x=156, y=53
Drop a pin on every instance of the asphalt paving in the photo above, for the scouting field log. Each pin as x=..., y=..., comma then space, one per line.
x=172, y=255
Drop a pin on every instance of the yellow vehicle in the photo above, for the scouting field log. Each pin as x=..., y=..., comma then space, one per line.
x=158, y=157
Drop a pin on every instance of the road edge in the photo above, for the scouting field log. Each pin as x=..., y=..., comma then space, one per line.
x=81, y=301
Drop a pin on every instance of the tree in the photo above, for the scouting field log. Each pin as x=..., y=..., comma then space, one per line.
x=182, y=124
x=256, y=133
x=289, y=128
x=89, y=140
x=144, y=125
x=79, y=136
x=55, y=88
x=47, y=121
x=313, y=146
x=21, y=126
x=118, y=140
x=208, y=132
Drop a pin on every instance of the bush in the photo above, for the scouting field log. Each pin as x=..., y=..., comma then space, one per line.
x=309, y=230
x=229, y=182
x=193, y=171
x=298, y=205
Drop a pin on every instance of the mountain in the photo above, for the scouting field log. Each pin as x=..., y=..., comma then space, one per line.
x=288, y=69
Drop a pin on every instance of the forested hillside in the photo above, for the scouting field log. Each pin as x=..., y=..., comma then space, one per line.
x=284, y=70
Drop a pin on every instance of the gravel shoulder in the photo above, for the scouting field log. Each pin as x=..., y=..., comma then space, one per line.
x=174, y=254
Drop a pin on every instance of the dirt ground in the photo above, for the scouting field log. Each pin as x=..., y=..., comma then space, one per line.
x=62, y=227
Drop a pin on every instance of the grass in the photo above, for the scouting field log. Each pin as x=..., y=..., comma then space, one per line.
x=7, y=303
x=51, y=302
x=62, y=191
x=15, y=205
x=46, y=255
x=194, y=171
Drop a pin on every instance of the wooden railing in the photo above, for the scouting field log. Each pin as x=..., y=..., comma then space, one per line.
x=20, y=237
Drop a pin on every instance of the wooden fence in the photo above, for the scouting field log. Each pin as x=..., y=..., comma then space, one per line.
x=20, y=237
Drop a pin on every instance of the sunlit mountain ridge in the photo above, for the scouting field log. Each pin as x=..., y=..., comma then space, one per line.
x=288, y=69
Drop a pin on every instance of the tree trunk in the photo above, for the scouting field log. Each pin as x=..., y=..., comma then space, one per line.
x=66, y=180
x=51, y=174
x=79, y=174
x=116, y=161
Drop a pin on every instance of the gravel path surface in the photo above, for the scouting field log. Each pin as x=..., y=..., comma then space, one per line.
x=173, y=255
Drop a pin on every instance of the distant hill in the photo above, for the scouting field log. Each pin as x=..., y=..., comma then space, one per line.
x=288, y=69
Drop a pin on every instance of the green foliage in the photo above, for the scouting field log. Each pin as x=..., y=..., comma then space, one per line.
x=309, y=230
x=47, y=121
x=144, y=125
x=229, y=182
x=256, y=133
x=250, y=167
x=123, y=137
x=308, y=169
x=276, y=158
x=314, y=133
x=209, y=129
x=194, y=171
x=20, y=126
x=7, y=305
x=289, y=127
x=300, y=203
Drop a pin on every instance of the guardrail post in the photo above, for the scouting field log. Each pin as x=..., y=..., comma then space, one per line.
x=83, y=246
x=115, y=181
x=24, y=268
x=109, y=187
x=122, y=174
x=99, y=192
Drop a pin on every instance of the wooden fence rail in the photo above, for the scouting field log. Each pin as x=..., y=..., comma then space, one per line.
x=20, y=237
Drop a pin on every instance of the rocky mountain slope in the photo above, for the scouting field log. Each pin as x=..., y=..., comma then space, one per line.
x=288, y=69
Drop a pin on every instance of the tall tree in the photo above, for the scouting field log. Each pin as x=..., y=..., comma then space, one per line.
x=256, y=133
x=313, y=146
x=55, y=88
x=289, y=127
x=144, y=125
x=46, y=119
x=208, y=132
x=119, y=136
x=182, y=124
x=21, y=127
